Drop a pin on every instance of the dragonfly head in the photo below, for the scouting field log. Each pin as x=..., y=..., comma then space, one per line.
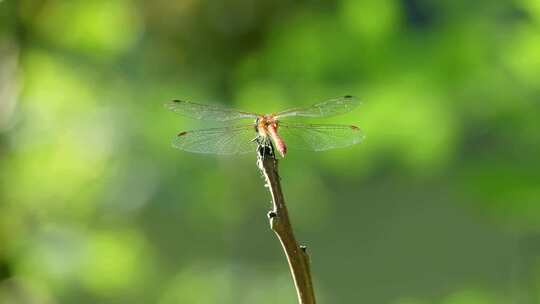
x=269, y=120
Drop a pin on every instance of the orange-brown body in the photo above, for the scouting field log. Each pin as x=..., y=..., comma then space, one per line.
x=268, y=126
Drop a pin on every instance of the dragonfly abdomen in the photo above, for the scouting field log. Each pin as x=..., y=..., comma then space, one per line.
x=278, y=141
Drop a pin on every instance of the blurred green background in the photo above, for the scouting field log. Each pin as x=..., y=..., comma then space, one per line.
x=440, y=204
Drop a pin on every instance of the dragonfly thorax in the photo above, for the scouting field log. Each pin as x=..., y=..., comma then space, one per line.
x=267, y=127
x=266, y=123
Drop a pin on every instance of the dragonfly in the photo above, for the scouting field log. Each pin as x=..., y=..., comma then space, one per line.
x=242, y=138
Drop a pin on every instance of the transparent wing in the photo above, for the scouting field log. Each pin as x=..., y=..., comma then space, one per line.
x=331, y=107
x=206, y=112
x=226, y=140
x=319, y=137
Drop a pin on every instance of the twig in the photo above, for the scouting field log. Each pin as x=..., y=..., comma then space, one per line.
x=279, y=222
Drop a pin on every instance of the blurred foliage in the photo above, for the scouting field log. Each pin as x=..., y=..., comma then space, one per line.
x=440, y=204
